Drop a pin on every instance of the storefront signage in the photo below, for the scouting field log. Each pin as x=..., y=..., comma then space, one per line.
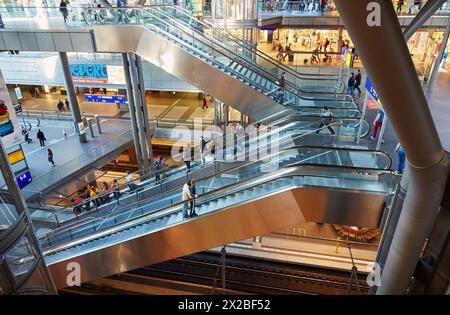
x=24, y=179
x=105, y=98
x=97, y=74
x=89, y=73
x=371, y=90
x=10, y=132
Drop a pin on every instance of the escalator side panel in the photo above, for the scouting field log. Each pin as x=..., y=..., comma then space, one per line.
x=215, y=229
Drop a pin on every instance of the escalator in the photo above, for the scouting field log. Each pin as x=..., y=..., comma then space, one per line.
x=196, y=60
x=237, y=204
x=289, y=131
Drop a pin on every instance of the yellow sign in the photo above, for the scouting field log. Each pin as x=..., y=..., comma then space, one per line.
x=15, y=157
x=348, y=59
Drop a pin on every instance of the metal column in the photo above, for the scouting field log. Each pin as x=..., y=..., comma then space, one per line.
x=148, y=131
x=137, y=101
x=131, y=108
x=22, y=209
x=75, y=108
x=424, y=14
x=404, y=102
x=437, y=63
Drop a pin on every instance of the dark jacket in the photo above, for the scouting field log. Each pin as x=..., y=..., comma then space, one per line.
x=40, y=135
x=358, y=78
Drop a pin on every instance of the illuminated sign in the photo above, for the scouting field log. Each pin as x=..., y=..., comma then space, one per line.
x=10, y=131
x=15, y=157
x=89, y=73
x=371, y=90
x=24, y=179
x=105, y=98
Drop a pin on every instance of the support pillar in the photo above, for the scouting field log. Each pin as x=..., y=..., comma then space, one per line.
x=217, y=113
x=404, y=102
x=422, y=16
x=147, y=129
x=72, y=97
x=225, y=131
x=437, y=63
x=139, y=119
x=131, y=109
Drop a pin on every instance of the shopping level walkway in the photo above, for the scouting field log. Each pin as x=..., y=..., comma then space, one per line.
x=71, y=157
x=176, y=107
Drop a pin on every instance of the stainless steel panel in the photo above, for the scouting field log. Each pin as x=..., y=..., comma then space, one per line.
x=12, y=41
x=45, y=41
x=62, y=41
x=82, y=42
x=28, y=41
x=174, y=60
x=208, y=231
x=340, y=206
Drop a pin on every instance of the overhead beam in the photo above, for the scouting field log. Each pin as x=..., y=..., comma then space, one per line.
x=422, y=16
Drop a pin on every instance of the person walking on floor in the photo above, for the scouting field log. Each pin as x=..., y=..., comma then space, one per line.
x=50, y=157
x=327, y=117
x=186, y=195
x=193, y=192
x=205, y=102
x=351, y=84
x=67, y=104
x=63, y=10
x=378, y=122
x=401, y=157
x=41, y=137
x=358, y=79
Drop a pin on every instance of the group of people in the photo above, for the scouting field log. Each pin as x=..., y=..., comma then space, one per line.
x=413, y=6
x=189, y=193
x=60, y=105
x=285, y=52
x=92, y=196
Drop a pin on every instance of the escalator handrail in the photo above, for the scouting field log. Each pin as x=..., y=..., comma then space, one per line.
x=157, y=29
x=233, y=169
x=285, y=172
x=252, y=63
x=243, y=43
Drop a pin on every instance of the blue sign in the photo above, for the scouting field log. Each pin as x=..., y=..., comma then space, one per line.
x=24, y=179
x=371, y=90
x=89, y=73
x=105, y=98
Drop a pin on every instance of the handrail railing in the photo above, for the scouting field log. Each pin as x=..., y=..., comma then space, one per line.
x=229, y=53
x=286, y=152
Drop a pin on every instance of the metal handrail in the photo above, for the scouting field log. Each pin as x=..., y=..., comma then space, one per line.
x=264, y=56
x=245, y=62
x=238, y=60
x=285, y=172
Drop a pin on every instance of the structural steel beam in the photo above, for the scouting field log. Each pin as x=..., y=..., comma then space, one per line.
x=397, y=85
x=427, y=11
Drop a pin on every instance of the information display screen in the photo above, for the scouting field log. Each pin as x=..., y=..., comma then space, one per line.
x=105, y=98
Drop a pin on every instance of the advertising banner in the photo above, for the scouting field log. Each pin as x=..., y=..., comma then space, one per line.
x=97, y=74
x=10, y=131
x=371, y=90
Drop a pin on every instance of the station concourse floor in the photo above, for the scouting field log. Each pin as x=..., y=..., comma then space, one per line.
x=69, y=154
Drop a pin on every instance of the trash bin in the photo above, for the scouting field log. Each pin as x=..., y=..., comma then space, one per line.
x=291, y=58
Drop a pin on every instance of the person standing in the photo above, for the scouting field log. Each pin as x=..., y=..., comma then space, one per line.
x=116, y=189
x=401, y=157
x=67, y=104
x=205, y=102
x=186, y=195
x=41, y=137
x=50, y=157
x=445, y=56
x=157, y=170
x=187, y=156
x=281, y=81
x=327, y=118
x=351, y=84
x=378, y=122
x=358, y=79
x=63, y=10
x=129, y=178
x=193, y=195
